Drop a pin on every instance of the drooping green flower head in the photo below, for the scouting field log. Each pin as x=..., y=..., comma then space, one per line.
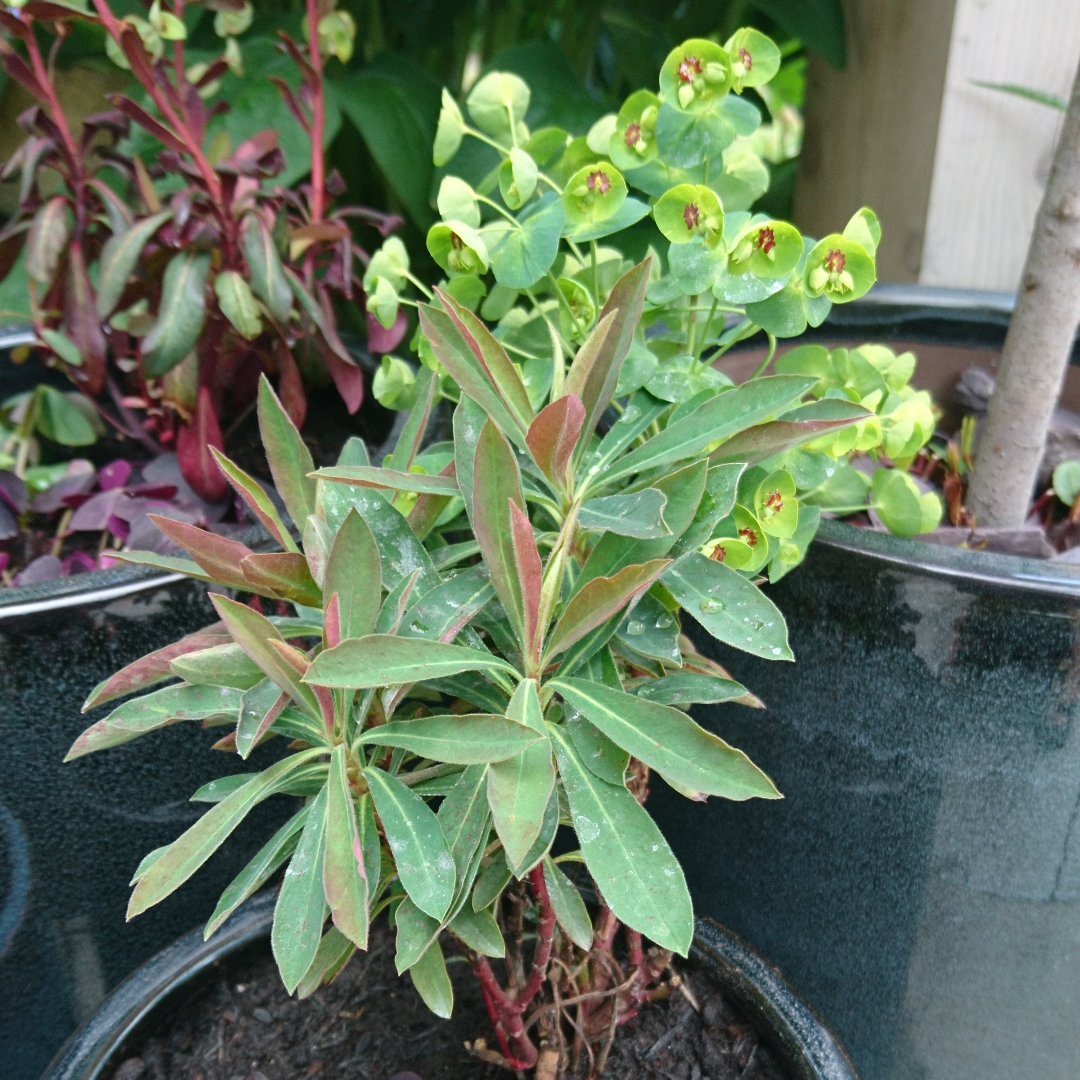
x=839, y=269
x=449, y=133
x=767, y=249
x=593, y=194
x=755, y=59
x=457, y=247
x=498, y=103
x=690, y=210
x=517, y=178
x=695, y=75
x=633, y=142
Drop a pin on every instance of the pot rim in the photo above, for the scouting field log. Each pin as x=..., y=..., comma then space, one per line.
x=804, y=1044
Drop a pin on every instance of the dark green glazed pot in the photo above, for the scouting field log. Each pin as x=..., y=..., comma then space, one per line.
x=919, y=884
x=802, y=1043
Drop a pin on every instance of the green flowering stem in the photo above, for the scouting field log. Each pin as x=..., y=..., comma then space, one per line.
x=419, y=284
x=768, y=356
x=550, y=183
x=595, y=274
x=565, y=304
x=705, y=332
x=552, y=330
x=496, y=207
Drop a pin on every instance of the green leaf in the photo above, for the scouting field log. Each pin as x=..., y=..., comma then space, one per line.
x=432, y=983
x=49, y=233
x=61, y=420
x=1041, y=96
x=269, y=858
x=170, y=564
x=441, y=613
x=155, y=710
x=570, y=911
x=518, y=792
x=630, y=212
x=287, y=454
x=639, y=514
x=333, y=953
x=714, y=420
x=630, y=861
x=668, y=741
x=424, y=864
x=412, y=434
x=219, y=666
x=256, y=499
x=354, y=575
x=237, y=303
x=525, y=708
x=285, y=574
x=601, y=756
x=474, y=739
x=268, y=280
x=389, y=480
x=301, y=905
x=522, y=256
x=63, y=346
x=259, y=708
x=415, y=932
x=729, y=606
x=344, y=876
x=119, y=257
x=491, y=882
x=463, y=818
x=469, y=420
x=688, y=687
x=546, y=837
x=387, y=660
x=186, y=854
x=180, y=316
x=479, y=931
x=651, y=631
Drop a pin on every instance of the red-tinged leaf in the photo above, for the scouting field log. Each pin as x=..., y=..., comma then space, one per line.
x=285, y=573
x=291, y=388
x=291, y=103
x=220, y=557
x=427, y=508
x=554, y=434
x=82, y=324
x=255, y=634
x=382, y=340
x=299, y=663
x=47, y=12
x=119, y=257
x=344, y=877
x=19, y=70
x=332, y=622
x=412, y=434
x=599, y=600
x=48, y=237
x=154, y=667
x=259, y=708
x=287, y=454
x=529, y=575
x=799, y=426
x=147, y=122
x=348, y=379
x=354, y=575
x=496, y=483
x=455, y=353
x=16, y=27
x=256, y=499
x=193, y=445
x=595, y=371
x=12, y=241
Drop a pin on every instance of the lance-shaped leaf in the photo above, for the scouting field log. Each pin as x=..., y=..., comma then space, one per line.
x=721, y=486
x=730, y=607
x=667, y=740
x=518, y=792
x=497, y=484
x=47, y=239
x=370, y=476
x=301, y=905
x=256, y=499
x=255, y=634
x=428, y=508
x=793, y=429
x=628, y=858
x=595, y=371
x=154, y=667
x=639, y=514
x=259, y=708
x=479, y=931
x=187, y=853
x=387, y=660
x=238, y=304
x=504, y=399
x=469, y=420
x=285, y=574
x=219, y=665
x=599, y=600
x=415, y=932
x=344, y=875
x=718, y=418
x=412, y=434
x=529, y=575
x=155, y=710
x=264, y=268
x=432, y=983
x=167, y=563
x=334, y=952
x=554, y=434
x=180, y=317
x=422, y=859
x=354, y=575
x=268, y=859
x=570, y=911
x=463, y=818
x=690, y=687
x=525, y=708
x=441, y=613
x=220, y=557
x=288, y=456
x=475, y=739
x=119, y=257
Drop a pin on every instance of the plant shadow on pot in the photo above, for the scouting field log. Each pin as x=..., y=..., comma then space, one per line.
x=920, y=882
x=186, y=995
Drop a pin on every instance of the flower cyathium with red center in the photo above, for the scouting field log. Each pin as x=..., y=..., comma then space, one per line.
x=593, y=194
x=633, y=142
x=840, y=269
x=688, y=211
x=767, y=249
x=775, y=504
x=695, y=75
x=755, y=59
x=599, y=181
x=457, y=248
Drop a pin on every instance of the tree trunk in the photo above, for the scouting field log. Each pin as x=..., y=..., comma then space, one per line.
x=1012, y=439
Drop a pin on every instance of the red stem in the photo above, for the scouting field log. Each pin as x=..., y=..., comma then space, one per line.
x=545, y=934
x=178, y=46
x=318, y=122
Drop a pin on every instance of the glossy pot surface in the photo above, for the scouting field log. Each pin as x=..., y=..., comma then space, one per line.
x=801, y=1041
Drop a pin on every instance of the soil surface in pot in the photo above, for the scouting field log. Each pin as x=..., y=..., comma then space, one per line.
x=241, y=1025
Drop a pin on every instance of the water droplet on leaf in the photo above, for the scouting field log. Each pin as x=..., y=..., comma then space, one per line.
x=710, y=607
x=634, y=628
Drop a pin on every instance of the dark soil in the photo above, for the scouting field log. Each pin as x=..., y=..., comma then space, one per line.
x=370, y=1024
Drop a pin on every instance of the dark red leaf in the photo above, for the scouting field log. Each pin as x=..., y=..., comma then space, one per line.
x=193, y=451
x=381, y=340
x=291, y=387
x=348, y=378
x=146, y=121
x=18, y=69
x=530, y=574
x=82, y=324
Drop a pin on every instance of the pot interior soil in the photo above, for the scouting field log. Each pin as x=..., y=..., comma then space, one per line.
x=370, y=1024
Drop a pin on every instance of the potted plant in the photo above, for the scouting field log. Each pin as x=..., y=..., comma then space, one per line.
x=521, y=691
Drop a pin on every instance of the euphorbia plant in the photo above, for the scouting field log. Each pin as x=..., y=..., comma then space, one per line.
x=163, y=287
x=478, y=652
